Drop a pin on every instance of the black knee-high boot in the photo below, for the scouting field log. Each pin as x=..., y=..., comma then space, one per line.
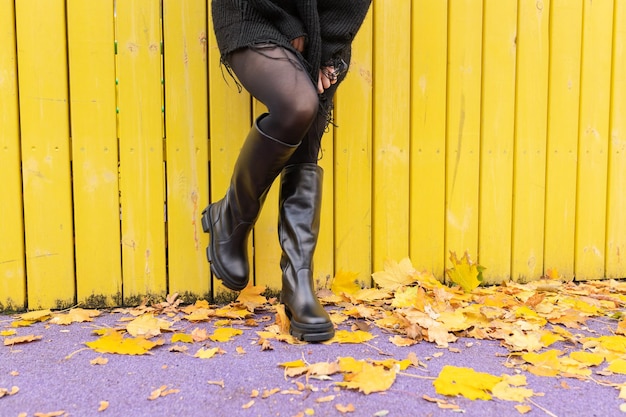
x=230, y=220
x=298, y=228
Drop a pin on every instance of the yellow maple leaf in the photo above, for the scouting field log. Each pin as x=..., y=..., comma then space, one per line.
x=293, y=364
x=75, y=315
x=207, y=353
x=369, y=379
x=613, y=343
x=10, y=341
x=349, y=364
x=225, y=334
x=200, y=314
x=453, y=381
x=10, y=332
x=345, y=282
x=346, y=336
x=251, y=296
x=545, y=363
x=464, y=272
x=409, y=297
x=182, y=337
x=587, y=358
x=617, y=366
x=115, y=342
x=391, y=363
x=395, y=274
x=147, y=325
x=231, y=312
x=548, y=338
x=509, y=389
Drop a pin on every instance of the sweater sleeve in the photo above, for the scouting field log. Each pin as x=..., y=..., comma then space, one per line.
x=287, y=24
x=340, y=21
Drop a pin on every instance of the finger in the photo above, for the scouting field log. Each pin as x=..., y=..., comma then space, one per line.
x=320, y=86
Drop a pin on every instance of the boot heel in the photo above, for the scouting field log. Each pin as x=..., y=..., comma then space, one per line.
x=205, y=220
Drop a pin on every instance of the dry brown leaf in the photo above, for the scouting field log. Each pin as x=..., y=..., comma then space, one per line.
x=325, y=399
x=75, y=315
x=99, y=361
x=5, y=391
x=523, y=409
x=251, y=297
x=219, y=383
x=345, y=408
x=10, y=341
x=51, y=414
x=162, y=391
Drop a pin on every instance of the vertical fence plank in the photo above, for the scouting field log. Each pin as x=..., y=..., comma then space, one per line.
x=392, y=52
x=497, y=131
x=616, y=219
x=141, y=148
x=265, y=246
x=229, y=123
x=530, y=140
x=563, y=102
x=12, y=274
x=94, y=148
x=185, y=43
x=324, y=259
x=42, y=58
x=353, y=161
x=428, y=134
x=463, y=126
x=593, y=139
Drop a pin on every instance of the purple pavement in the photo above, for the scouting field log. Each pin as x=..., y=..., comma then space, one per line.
x=49, y=382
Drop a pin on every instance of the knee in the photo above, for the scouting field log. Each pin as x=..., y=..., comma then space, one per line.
x=302, y=112
x=296, y=114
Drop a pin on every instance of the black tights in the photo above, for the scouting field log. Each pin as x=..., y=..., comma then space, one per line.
x=275, y=77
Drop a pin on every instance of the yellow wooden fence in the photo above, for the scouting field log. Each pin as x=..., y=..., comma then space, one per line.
x=496, y=127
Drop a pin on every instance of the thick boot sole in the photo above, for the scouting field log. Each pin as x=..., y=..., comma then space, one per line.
x=216, y=269
x=310, y=332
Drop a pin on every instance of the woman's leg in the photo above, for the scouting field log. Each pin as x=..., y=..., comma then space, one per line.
x=275, y=77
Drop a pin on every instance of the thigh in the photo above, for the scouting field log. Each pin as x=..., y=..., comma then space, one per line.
x=271, y=73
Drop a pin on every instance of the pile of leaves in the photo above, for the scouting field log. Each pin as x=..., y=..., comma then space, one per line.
x=410, y=307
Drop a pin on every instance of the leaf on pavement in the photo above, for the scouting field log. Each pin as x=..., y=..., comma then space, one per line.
x=208, y=353
x=225, y=334
x=464, y=272
x=617, y=366
x=99, y=361
x=453, y=381
x=251, y=297
x=509, y=390
x=10, y=341
x=147, y=325
x=370, y=378
x=75, y=315
x=345, y=408
x=5, y=391
x=182, y=337
x=162, y=391
x=544, y=364
x=115, y=342
x=346, y=336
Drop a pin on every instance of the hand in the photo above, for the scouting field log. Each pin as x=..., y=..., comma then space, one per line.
x=298, y=44
x=326, y=78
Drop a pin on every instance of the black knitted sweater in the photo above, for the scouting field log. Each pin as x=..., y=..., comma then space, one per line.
x=328, y=25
